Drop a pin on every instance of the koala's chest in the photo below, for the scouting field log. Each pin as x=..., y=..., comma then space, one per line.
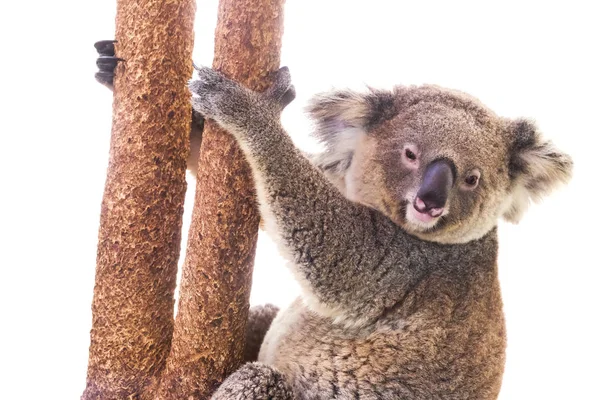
x=326, y=361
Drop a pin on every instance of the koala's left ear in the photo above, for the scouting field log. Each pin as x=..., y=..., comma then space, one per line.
x=536, y=167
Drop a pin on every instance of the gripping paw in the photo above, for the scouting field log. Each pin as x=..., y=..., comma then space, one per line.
x=106, y=62
x=216, y=97
x=213, y=95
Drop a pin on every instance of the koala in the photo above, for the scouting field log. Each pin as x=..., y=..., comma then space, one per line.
x=391, y=233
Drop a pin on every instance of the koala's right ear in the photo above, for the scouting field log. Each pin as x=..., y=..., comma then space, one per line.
x=340, y=118
x=536, y=167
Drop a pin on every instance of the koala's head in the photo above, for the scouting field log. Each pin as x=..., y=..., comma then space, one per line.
x=435, y=161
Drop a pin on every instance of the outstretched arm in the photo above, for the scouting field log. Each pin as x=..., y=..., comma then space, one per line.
x=349, y=259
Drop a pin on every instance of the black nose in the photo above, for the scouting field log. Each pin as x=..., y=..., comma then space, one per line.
x=436, y=185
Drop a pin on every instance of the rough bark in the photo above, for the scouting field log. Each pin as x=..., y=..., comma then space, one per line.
x=142, y=207
x=208, y=340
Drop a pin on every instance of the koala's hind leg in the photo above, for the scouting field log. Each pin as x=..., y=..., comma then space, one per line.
x=254, y=381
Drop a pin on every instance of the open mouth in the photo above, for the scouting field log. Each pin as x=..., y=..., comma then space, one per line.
x=426, y=221
x=423, y=219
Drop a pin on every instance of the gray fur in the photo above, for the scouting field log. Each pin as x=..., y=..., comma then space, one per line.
x=390, y=309
x=254, y=381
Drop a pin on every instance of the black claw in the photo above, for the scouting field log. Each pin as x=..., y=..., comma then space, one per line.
x=107, y=63
x=105, y=47
x=288, y=97
x=105, y=78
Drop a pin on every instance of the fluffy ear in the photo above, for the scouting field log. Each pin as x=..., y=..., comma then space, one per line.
x=340, y=118
x=536, y=167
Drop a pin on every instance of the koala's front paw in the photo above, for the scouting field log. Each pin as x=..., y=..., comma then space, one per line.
x=227, y=102
x=217, y=97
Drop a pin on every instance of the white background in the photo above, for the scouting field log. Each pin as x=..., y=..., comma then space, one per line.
x=521, y=58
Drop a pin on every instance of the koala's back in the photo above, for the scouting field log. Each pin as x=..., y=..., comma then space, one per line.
x=436, y=346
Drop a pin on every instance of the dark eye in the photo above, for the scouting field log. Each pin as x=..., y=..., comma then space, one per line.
x=410, y=155
x=471, y=180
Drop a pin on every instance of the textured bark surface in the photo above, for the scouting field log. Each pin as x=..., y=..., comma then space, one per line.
x=140, y=223
x=208, y=341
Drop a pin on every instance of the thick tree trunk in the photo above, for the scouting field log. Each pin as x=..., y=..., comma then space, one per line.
x=140, y=223
x=208, y=340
